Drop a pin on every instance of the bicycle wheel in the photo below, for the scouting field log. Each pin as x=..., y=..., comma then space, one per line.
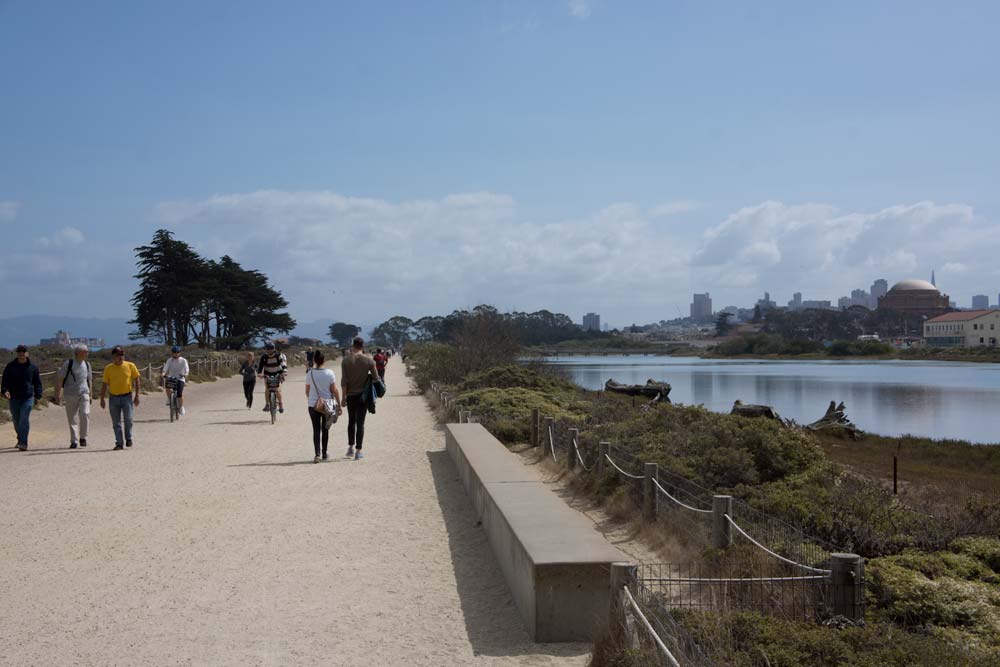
x=173, y=408
x=273, y=398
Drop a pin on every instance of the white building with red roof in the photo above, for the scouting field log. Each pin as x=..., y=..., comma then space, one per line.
x=964, y=328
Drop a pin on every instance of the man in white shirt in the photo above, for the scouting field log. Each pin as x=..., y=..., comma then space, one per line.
x=73, y=380
x=176, y=366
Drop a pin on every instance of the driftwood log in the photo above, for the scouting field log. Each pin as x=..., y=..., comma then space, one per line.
x=835, y=421
x=659, y=391
x=749, y=410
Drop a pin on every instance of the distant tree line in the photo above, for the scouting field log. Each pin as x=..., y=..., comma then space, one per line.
x=542, y=327
x=184, y=298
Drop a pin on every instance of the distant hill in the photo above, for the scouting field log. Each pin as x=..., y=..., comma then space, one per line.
x=29, y=329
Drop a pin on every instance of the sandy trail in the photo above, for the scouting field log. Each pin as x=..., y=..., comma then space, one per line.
x=217, y=541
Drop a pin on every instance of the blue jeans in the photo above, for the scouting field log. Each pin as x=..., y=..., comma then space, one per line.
x=121, y=409
x=20, y=412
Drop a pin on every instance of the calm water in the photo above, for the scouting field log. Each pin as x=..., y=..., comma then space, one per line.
x=931, y=399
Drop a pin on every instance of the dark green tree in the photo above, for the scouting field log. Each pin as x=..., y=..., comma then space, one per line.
x=722, y=324
x=343, y=333
x=395, y=332
x=170, y=276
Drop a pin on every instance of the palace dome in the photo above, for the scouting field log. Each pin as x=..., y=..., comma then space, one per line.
x=913, y=285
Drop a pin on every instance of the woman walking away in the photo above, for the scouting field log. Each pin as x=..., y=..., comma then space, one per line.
x=323, y=400
x=248, y=369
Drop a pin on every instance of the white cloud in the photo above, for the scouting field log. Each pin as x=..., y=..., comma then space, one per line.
x=8, y=210
x=580, y=9
x=430, y=256
x=65, y=237
x=825, y=253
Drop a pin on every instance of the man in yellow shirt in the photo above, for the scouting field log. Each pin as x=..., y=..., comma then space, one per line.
x=122, y=378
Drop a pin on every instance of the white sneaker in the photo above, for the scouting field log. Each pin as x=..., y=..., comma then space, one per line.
x=350, y=452
x=358, y=455
x=182, y=409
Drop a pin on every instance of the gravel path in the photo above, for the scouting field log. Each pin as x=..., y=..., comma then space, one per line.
x=217, y=541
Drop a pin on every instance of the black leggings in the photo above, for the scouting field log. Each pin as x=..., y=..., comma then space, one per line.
x=320, y=431
x=248, y=391
x=356, y=413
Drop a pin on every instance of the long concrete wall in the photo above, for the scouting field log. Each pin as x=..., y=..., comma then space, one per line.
x=556, y=564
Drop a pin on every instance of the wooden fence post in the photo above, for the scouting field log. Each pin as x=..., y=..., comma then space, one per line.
x=847, y=582
x=536, y=419
x=622, y=575
x=722, y=530
x=603, y=450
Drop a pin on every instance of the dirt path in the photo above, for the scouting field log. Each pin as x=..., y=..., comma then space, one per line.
x=217, y=541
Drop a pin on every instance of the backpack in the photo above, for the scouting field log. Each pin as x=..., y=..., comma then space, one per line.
x=69, y=371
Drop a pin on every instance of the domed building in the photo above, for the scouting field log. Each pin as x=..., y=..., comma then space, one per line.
x=915, y=297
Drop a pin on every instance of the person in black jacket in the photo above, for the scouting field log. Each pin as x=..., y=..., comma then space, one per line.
x=21, y=385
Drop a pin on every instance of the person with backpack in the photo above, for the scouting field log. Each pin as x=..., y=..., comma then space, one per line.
x=248, y=369
x=381, y=359
x=356, y=370
x=73, y=380
x=21, y=385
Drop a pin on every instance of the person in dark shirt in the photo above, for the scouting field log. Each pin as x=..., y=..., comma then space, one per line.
x=381, y=359
x=21, y=385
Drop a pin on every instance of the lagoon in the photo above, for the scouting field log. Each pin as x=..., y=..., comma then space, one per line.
x=933, y=399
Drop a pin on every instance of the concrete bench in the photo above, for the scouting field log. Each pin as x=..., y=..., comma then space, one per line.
x=556, y=564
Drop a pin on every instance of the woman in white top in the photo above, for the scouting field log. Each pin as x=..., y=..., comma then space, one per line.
x=321, y=385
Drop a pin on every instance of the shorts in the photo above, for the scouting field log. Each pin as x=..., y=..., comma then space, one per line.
x=179, y=387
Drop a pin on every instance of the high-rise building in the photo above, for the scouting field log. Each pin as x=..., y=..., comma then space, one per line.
x=796, y=302
x=766, y=303
x=980, y=302
x=701, y=307
x=591, y=322
x=879, y=289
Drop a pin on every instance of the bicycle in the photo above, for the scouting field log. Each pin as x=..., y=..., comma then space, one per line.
x=170, y=386
x=272, y=382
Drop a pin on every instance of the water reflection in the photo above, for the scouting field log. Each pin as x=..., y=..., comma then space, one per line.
x=932, y=399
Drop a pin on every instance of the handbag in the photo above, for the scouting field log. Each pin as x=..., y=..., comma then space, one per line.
x=324, y=406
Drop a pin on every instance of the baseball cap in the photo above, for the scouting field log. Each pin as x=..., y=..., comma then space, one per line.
x=21, y=348
x=269, y=346
x=117, y=349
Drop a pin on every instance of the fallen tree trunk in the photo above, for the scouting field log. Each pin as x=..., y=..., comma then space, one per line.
x=749, y=410
x=651, y=389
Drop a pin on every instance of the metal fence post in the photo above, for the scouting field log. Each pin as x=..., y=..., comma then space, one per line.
x=574, y=436
x=722, y=531
x=603, y=450
x=847, y=584
x=535, y=423
x=649, y=492
x=548, y=445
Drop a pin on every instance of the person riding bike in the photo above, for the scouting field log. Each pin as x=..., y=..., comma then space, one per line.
x=272, y=363
x=176, y=366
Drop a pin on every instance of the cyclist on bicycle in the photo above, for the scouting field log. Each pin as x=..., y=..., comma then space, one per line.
x=272, y=363
x=176, y=366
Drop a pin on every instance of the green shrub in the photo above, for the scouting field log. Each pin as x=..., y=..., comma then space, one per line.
x=985, y=549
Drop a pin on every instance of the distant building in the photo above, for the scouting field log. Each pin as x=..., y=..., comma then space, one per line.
x=967, y=328
x=766, y=303
x=879, y=289
x=980, y=302
x=701, y=307
x=796, y=302
x=811, y=304
x=915, y=297
x=63, y=339
x=591, y=322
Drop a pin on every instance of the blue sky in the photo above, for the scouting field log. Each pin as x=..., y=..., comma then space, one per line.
x=526, y=154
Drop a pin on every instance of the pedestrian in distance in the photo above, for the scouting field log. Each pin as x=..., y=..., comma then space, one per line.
x=176, y=366
x=355, y=370
x=21, y=385
x=249, y=372
x=121, y=378
x=381, y=359
x=74, y=390
x=309, y=357
x=323, y=400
